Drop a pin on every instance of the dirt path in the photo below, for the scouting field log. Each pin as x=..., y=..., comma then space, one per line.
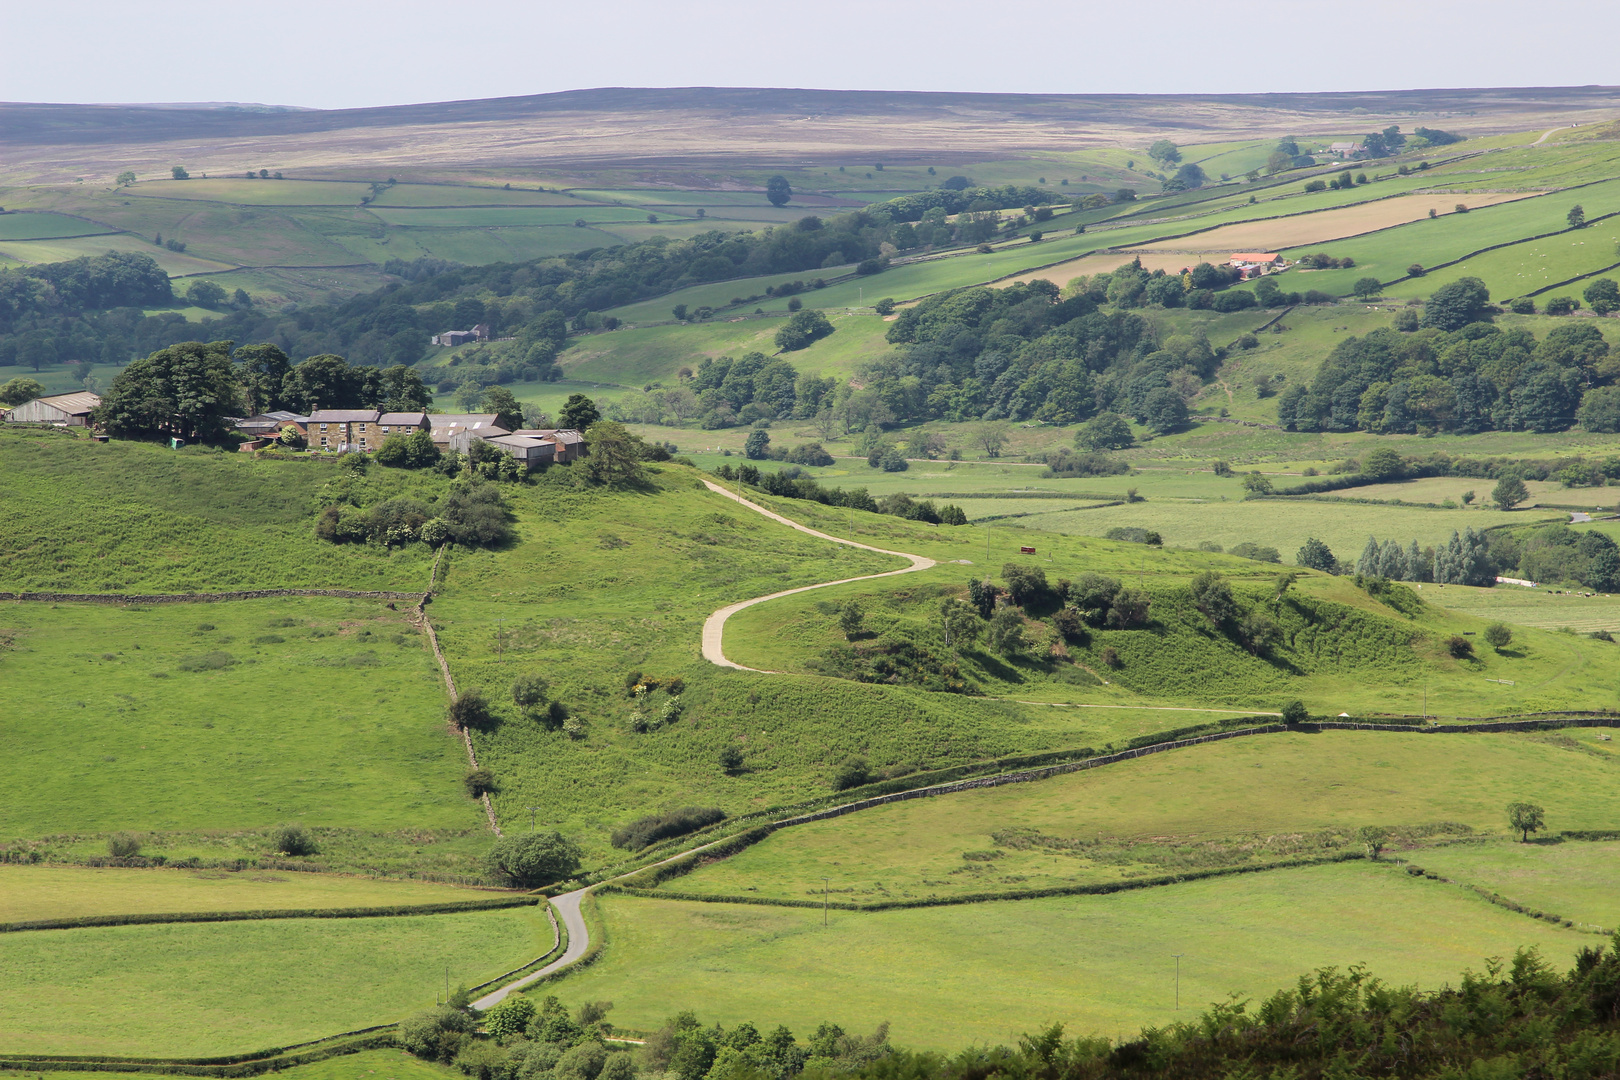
x=714, y=626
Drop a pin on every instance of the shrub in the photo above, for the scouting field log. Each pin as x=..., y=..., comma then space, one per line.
x=510, y=1018
x=1007, y=632
x=533, y=859
x=1026, y=585
x=530, y=692
x=1248, y=549
x=214, y=661
x=812, y=453
x=731, y=760
x=479, y=781
x=1110, y=657
x=436, y=1035
x=1294, y=712
x=1460, y=647
x=645, y=831
x=802, y=330
x=123, y=845
x=851, y=774
x=470, y=710
x=293, y=840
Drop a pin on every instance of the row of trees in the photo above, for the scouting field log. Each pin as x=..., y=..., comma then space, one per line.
x=191, y=389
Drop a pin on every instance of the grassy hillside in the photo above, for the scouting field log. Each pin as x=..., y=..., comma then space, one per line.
x=1241, y=802
x=136, y=517
x=1098, y=964
x=226, y=717
x=58, y=892
x=203, y=989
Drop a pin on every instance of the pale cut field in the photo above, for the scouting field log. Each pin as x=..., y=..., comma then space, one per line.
x=1336, y=224
x=45, y=251
x=1275, y=235
x=66, y=892
x=1437, y=489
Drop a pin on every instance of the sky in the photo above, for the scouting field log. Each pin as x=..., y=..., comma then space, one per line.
x=342, y=54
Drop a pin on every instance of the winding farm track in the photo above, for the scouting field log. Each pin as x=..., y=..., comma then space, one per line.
x=715, y=625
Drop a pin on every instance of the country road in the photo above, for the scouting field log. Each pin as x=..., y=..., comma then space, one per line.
x=579, y=939
x=714, y=626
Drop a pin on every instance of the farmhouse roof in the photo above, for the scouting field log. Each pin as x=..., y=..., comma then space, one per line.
x=344, y=416
x=467, y=420
x=402, y=418
x=1344, y=147
x=566, y=436
x=282, y=416
x=74, y=404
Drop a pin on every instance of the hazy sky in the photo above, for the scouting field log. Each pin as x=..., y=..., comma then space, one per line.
x=340, y=53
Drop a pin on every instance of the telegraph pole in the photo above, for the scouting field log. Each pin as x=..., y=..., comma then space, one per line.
x=824, y=890
x=1178, y=957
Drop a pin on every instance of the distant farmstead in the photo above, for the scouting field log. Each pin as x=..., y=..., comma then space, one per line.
x=344, y=430
x=1344, y=149
x=57, y=410
x=452, y=338
x=1254, y=263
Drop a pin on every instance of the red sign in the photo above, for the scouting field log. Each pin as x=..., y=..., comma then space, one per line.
x=1026, y=551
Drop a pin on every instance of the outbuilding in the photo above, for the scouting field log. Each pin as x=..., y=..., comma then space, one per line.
x=57, y=410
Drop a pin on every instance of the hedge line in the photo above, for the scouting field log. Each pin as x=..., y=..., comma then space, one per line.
x=279, y=1057
x=445, y=907
x=653, y=875
x=559, y=944
x=201, y=598
x=1095, y=889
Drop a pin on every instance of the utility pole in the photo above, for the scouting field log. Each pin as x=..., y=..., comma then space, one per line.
x=531, y=817
x=824, y=890
x=1178, y=957
x=500, y=630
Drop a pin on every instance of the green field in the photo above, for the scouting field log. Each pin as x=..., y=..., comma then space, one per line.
x=327, y=712
x=1574, y=880
x=366, y=1065
x=948, y=976
x=26, y=226
x=135, y=517
x=61, y=892
x=202, y=989
x=1242, y=802
x=506, y=216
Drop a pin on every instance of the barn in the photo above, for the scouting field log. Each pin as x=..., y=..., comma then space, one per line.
x=58, y=410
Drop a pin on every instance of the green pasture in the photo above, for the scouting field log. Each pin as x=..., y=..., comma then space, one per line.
x=986, y=973
x=63, y=892
x=498, y=216
x=1540, y=608
x=1578, y=881
x=194, y=990
x=45, y=251
x=366, y=1065
x=637, y=356
x=1387, y=254
x=28, y=226
x=625, y=587
x=138, y=517
x=1531, y=266
x=326, y=712
x=1437, y=489
x=428, y=194
x=1282, y=524
x=253, y=192
x=1242, y=801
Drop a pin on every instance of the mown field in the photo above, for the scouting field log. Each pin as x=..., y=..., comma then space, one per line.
x=1245, y=801
x=1574, y=880
x=947, y=976
x=62, y=892
x=202, y=989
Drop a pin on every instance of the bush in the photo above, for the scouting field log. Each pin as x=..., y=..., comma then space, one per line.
x=479, y=782
x=851, y=774
x=530, y=693
x=123, y=845
x=731, y=760
x=1110, y=657
x=293, y=840
x=646, y=831
x=810, y=454
x=470, y=710
x=510, y=1018
x=1294, y=712
x=533, y=859
x=802, y=330
x=436, y=1035
x=1460, y=647
x=1498, y=635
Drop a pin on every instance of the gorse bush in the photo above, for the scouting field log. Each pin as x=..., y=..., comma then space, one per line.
x=648, y=830
x=123, y=845
x=293, y=840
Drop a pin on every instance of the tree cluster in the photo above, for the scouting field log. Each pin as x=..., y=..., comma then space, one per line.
x=1468, y=558
x=1461, y=375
